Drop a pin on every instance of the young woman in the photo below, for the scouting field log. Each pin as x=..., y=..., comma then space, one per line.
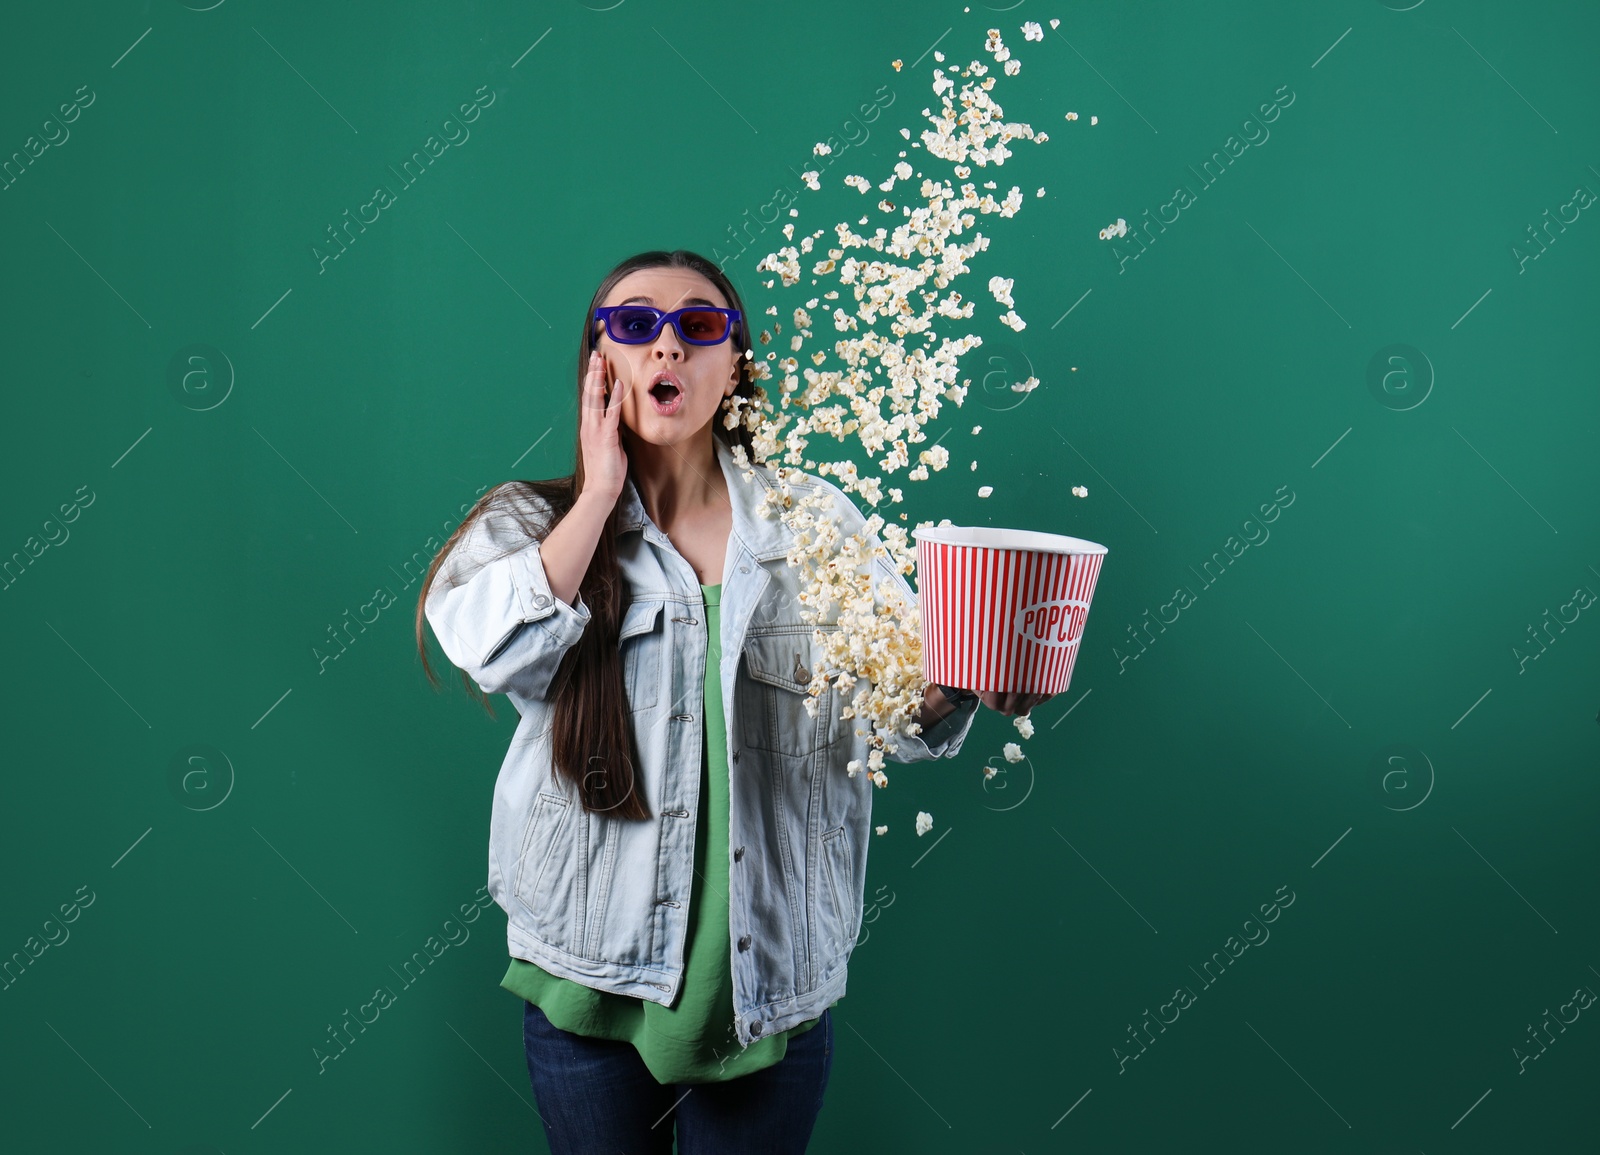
x=676, y=841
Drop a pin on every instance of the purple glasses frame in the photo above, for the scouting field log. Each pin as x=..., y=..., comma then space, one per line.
x=605, y=312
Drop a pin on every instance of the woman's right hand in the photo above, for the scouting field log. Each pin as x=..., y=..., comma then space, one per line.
x=605, y=462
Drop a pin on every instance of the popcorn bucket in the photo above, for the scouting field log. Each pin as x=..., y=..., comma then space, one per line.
x=1003, y=609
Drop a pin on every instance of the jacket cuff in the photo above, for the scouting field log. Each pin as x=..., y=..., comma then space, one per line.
x=564, y=623
x=957, y=720
x=941, y=740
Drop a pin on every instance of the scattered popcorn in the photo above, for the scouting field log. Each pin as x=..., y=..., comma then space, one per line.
x=1027, y=386
x=1024, y=725
x=1055, y=24
x=881, y=829
x=1080, y=491
x=1120, y=229
x=897, y=64
x=985, y=490
x=1094, y=120
x=1013, y=752
x=871, y=367
x=1040, y=193
x=924, y=822
x=974, y=466
x=989, y=772
x=1031, y=30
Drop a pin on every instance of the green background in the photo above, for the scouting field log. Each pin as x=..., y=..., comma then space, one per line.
x=1350, y=710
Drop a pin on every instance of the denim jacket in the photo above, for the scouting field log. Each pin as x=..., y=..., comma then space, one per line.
x=604, y=901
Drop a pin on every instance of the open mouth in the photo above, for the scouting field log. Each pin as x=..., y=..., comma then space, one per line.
x=665, y=396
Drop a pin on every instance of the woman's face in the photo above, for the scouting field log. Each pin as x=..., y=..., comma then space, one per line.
x=706, y=373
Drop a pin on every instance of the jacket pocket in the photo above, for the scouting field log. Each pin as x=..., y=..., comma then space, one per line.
x=641, y=641
x=837, y=917
x=772, y=710
x=539, y=841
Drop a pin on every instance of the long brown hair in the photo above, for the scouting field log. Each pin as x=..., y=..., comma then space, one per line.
x=592, y=738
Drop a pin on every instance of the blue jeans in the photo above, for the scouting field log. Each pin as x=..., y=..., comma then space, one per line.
x=596, y=1097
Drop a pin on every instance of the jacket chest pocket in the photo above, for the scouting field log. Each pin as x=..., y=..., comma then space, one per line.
x=641, y=641
x=772, y=711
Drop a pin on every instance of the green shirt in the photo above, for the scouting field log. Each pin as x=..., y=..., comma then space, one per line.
x=694, y=1041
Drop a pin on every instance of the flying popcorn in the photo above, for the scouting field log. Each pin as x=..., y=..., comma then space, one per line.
x=1080, y=491
x=985, y=490
x=1024, y=725
x=881, y=829
x=1013, y=752
x=924, y=822
x=877, y=372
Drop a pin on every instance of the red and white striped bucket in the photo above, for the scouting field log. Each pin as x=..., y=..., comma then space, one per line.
x=1003, y=609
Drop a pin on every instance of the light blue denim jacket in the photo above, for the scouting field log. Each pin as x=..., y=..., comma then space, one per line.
x=604, y=901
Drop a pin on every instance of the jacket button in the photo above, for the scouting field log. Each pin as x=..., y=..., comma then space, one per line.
x=744, y=944
x=738, y=854
x=744, y=569
x=755, y=1028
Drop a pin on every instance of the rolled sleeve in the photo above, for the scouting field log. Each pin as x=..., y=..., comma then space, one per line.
x=495, y=616
x=941, y=740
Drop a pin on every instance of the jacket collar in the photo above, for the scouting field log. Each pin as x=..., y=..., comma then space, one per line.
x=765, y=538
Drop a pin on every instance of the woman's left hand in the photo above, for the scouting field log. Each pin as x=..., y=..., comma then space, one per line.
x=1010, y=704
